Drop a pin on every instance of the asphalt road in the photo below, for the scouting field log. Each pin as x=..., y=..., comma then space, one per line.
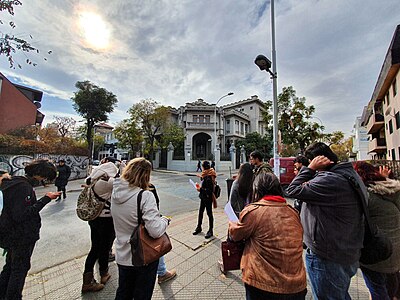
x=64, y=236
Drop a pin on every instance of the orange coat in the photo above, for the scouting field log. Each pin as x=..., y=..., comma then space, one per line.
x=272, y=259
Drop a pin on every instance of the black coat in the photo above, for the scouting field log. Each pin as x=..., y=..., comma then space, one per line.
x=20, y=220
x=63, y=174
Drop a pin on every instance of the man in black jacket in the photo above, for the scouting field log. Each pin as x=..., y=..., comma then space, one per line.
x=332, y=219
x=20, y=224
x=63, y=173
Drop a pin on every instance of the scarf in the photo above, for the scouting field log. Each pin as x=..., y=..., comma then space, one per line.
x=273, y=198
x=209, y=172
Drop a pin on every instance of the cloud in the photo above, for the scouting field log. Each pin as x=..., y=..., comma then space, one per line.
x=178, y=51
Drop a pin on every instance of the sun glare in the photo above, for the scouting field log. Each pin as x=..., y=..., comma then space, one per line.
x=95, y=30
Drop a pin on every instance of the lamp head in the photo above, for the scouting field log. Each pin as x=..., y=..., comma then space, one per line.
x=230, y=93
x=262, y=62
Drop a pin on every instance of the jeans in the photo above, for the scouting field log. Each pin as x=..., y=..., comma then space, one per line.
x=62, y=189
x=162, y=268
x=102, y=235
x=136, y=282
x=376, y=283
x=12, y=278
x=253, y=293
x=206, y=204
x=329, y=280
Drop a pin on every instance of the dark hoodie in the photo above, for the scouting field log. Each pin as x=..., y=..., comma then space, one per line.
x=20, y=220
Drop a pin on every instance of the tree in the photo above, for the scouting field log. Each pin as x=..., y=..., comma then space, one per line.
x=94, y=104
x=65, y=125
x=341, y=146
x=174, y=134
x=153, y=119
x=9, y=43
x=296, y=128
x=129, y=135
x=254, y=141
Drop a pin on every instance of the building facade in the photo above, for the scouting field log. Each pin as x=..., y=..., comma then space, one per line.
x=202, y=122
x=360, y=141
x=383, y=112
x=19, y=106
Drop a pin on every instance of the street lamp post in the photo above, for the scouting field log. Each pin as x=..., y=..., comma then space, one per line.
x=265, y=64
x=215, y=125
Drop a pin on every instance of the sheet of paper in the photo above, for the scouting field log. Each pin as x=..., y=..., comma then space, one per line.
x=192, y=183
x=230, y=212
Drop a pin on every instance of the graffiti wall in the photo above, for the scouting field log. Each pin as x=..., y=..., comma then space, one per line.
x=15, y=164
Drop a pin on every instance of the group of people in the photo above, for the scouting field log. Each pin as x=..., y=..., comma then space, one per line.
x=330, y=226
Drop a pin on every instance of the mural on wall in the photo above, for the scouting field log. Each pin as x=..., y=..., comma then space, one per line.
x=15, y=164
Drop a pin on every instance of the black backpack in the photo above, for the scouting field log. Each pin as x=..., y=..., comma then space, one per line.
x=217, y=190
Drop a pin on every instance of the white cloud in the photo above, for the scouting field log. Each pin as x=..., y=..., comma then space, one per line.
x=178, y=51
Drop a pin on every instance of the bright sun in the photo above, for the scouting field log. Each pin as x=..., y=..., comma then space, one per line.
x=95, y=30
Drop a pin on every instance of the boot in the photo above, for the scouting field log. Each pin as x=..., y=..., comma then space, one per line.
x=197, y=230
x=105, y=276
x=90, y=284
x=209, y=234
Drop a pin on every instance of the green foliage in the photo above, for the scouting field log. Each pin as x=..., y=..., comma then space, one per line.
x=341, y=146
x=129, y=135
x=295, y=126
x=174, y=134
x=94, y=104
x=153, y=119
x=254, y=141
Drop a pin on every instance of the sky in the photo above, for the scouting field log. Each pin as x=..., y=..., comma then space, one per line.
x=178, y=51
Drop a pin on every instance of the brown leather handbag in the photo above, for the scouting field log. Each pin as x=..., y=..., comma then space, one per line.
x=144, y=248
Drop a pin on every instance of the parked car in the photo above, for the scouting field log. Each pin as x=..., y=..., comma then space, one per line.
x=286, y=171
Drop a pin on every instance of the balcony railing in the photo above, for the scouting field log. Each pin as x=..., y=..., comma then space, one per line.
x=199, y=125
x=377, y=145
x=375, y=123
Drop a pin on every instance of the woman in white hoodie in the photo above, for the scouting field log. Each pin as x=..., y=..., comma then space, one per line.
x=135, y=282
x=102, y=232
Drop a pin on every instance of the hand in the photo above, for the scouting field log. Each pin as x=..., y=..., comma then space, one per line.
x=384, y=171
x=53, y=195
x=320, y=163
x=167, y=218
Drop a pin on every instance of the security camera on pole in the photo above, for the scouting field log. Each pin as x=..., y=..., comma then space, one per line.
x=265, y=64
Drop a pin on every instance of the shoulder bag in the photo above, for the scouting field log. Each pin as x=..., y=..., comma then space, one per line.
x=144, y=248
x=231, y=254
x=377, y=247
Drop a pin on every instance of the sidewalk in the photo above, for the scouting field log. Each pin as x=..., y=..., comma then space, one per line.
x=194, y=258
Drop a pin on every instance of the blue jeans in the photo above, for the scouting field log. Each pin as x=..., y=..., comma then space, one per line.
x=136, y=282
x=162, y=268
x=376, y=283
x=329, y=280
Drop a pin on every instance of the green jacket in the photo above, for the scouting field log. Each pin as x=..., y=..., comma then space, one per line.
x=384, y=209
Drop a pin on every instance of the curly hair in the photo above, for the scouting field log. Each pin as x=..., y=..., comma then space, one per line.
x=368, y=173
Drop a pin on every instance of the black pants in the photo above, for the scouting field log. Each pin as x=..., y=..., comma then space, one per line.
x=253, y=293
x=12, y=278
x=102, y=235
x=206, y=204
x=136, y=282
x=62, y=188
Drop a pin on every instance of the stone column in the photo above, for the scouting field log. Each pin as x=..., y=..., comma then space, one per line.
x=156, y=162
x=170, y=155
x=242, y=155
x=217, y=159
x=232, y=151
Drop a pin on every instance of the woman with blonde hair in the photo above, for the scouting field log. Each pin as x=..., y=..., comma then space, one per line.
x=135, y=282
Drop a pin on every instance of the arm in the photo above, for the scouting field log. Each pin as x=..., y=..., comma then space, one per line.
x=155, y=225
x=68, y=172
x=244, y=228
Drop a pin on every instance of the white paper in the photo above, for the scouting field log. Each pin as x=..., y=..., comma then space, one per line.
x=192, y=183
x=230, y=212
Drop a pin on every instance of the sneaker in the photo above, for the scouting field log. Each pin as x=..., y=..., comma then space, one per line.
x=197, y=231
x=169, y=275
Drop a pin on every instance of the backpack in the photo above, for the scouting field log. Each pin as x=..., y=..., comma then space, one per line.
x=89, y=205
x=217, y=190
